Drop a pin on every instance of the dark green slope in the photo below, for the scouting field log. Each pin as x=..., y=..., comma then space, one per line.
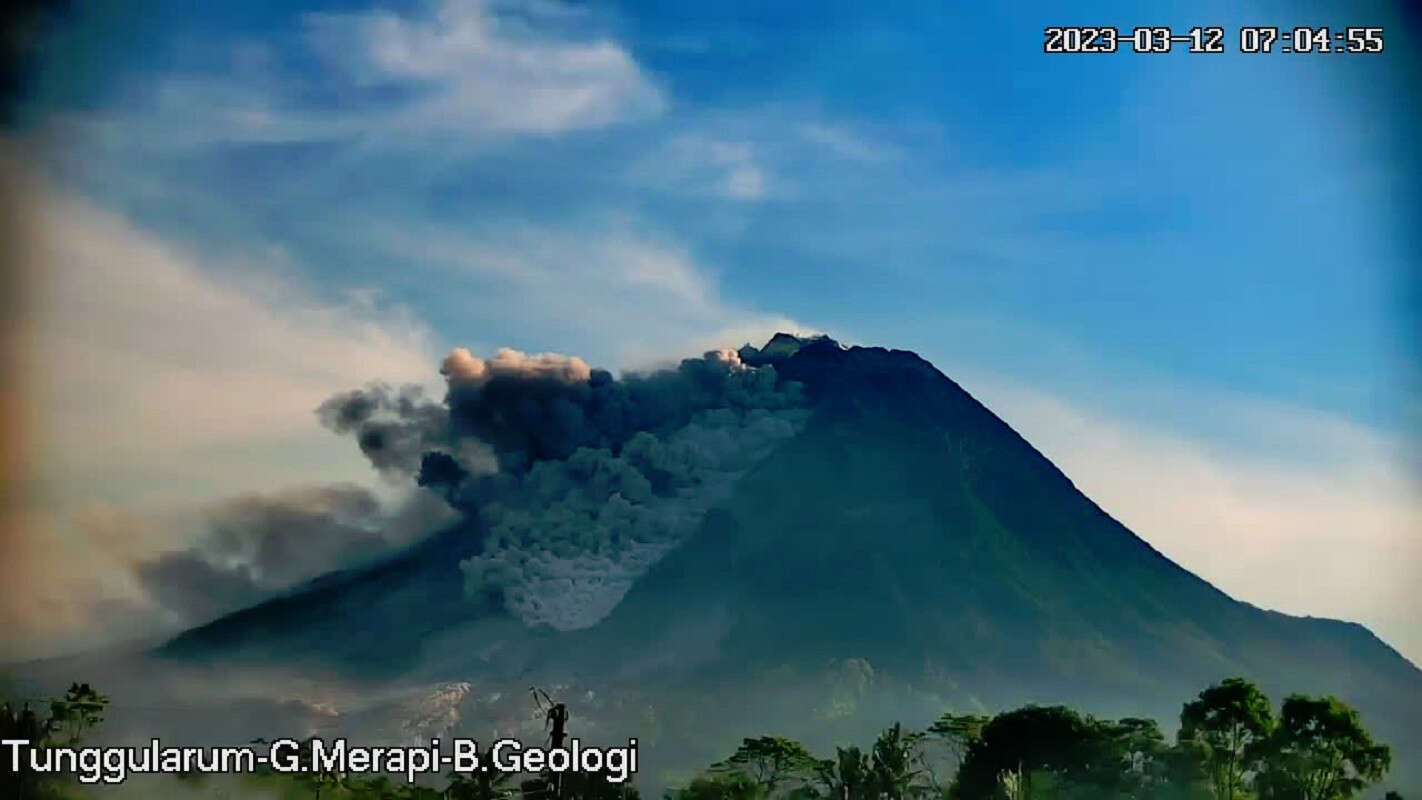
x=911, y=527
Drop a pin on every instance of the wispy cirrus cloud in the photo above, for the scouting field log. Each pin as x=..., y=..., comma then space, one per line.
x=466, y=70
x=627, y=294
x=846, y=143
x=706, y=166
x=472, y=65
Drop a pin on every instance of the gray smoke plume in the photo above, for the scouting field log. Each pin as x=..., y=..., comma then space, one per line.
x=255, y=546
x=567, y=540
x=580, y=480
x=394, y=429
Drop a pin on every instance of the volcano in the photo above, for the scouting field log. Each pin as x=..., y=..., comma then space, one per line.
x=903, y=552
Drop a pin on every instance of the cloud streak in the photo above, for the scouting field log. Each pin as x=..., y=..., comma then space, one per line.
x=628, y=295
x=451, y=70
x=467, y=67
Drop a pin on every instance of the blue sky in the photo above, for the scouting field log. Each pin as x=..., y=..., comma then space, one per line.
x=1160, y=266
x=1234, y=220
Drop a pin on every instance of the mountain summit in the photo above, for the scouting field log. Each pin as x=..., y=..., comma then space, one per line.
x=885, y=542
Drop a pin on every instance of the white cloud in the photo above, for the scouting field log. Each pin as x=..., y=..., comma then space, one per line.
x=464, y=69
x=144, y=353
x=843, y=142
x=1333, y=533
x=774, y=151
x=745, y=182
x=700, y=165
x=469, y=68
x=624, y=296
x=156, y=380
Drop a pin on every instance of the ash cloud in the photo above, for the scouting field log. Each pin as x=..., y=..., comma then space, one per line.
x=579, y=480
x=255, y=546
x=393, y=429
x=509, y=412
x=567, y=539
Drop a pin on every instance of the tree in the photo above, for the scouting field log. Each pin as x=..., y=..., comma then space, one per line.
x=484, y=784
x=957, y=731
x=1031, y=747
x=848, y=776
x=378, y=787
x=1183, y=772
x=770, y=761
x=892, y=763
x=598, y=786
x=1014, y=787
x=1232, y=720
x=726, y=786
x=538, y=787
x=70, y=717
x=80, y=709
x=1321, y=751
x=1130, y=756
x=950, y=734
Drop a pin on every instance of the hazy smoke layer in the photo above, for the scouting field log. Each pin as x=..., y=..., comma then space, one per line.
x=580, y=480
x=255, y=546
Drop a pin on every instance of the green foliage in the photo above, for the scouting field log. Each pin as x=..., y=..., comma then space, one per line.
x=944, y=745
x=1183, y=774
x=1320, y=751
x=596, y=786
x=892, y=765
x=70, y=718
x=482, y=785
x=770, y=761
x=379, y=787
x=848, y=776
x=81, y=709
x=1228, y=746
x=1232, y=721
x=1127, y=757
x=1030, y=747
x=721, y=786
x=958, y=730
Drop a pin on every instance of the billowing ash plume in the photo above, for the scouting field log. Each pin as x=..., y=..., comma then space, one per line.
x=567, y=539
x=579, y=480
x=393, y=429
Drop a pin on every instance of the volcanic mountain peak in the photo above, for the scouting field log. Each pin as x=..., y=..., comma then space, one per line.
x=780, y=347
x=866, y=507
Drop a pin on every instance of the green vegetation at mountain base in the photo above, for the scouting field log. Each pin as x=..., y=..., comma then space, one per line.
x=1230, y=746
